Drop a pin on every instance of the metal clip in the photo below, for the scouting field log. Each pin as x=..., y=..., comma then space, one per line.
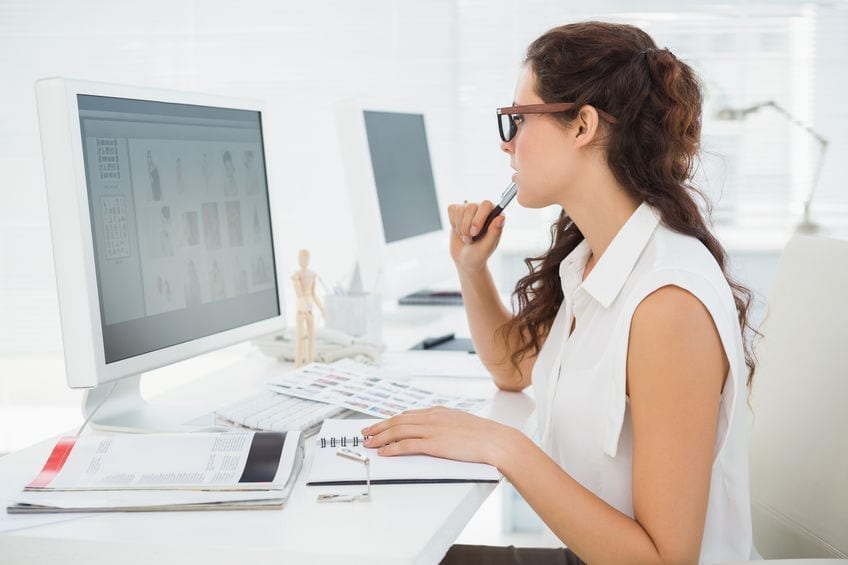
x=361, y=497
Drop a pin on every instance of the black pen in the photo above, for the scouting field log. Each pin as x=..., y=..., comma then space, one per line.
x=506, y=198
x=432, y=342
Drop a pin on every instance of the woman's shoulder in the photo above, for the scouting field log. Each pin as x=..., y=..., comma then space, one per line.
x=671, y=251
x=672, y=258
x=675, y=259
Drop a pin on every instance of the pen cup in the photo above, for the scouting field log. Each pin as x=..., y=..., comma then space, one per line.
x=356, y=314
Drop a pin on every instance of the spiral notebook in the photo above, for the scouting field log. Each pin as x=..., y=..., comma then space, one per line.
x=329, y=469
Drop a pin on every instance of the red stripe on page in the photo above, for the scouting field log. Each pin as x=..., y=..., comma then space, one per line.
x=54, y=463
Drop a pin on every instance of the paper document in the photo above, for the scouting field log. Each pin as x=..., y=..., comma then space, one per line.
x=330, y=469
x=340, y=385
x=211, y=461
x=186, y=471
x=98, y=501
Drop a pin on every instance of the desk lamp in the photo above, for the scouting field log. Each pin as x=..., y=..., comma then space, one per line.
x=807, y=226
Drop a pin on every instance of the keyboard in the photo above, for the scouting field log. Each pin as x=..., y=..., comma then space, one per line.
x=432, y=297
x=271, y=411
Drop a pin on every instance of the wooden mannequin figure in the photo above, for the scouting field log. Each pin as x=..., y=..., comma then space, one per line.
x=304, y=287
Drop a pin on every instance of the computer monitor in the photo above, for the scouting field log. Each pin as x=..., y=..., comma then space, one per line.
x=161, y=220
x=402, y=243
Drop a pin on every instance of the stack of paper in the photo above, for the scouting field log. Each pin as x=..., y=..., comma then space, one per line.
x=190, y=471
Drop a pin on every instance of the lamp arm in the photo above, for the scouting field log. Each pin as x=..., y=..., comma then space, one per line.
x=806, y=225
x=751, y=109
x=806, y=222
x=781, y=110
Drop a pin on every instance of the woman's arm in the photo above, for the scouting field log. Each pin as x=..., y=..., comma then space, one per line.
x=675, y=370
x=486, y=314
x=484, y=308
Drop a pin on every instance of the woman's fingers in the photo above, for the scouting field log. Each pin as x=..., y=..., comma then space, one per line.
x=468, y=212
x=393, y=434
x=453, y=211
x=407, y=419
x=483, y=211
x=438, y=431
x=467, y=219
x=404, y=447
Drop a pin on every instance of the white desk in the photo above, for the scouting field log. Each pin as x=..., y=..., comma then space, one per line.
x=402, y=524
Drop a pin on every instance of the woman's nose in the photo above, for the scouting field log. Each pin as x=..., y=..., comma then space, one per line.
x=506, y=146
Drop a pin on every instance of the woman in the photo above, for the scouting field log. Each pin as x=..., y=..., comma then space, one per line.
x=628, y=327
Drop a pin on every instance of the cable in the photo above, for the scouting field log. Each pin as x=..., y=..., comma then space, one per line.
x=96, y=408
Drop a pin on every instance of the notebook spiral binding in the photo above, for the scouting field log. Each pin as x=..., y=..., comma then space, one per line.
x=341, y=441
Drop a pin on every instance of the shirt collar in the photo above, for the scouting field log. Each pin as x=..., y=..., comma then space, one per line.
x=615, y=265
x=571, y=268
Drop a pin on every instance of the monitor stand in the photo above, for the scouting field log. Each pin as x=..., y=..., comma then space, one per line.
x=119, y=406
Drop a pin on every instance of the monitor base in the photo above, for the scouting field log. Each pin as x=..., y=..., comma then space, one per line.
x=119, y=407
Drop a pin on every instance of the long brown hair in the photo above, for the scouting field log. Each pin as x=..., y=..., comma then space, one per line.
x=652, y=151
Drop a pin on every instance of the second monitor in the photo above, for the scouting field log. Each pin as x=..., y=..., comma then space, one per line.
x=402, y=246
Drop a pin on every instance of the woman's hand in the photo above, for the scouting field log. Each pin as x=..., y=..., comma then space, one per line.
x=441, y=432
x=466, y=221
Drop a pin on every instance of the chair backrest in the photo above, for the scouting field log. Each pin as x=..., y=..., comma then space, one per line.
x=799, y=440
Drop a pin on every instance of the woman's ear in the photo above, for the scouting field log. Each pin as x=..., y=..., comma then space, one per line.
x=586, y=125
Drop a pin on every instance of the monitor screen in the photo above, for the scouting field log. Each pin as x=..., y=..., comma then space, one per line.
x=180, y=219
x=403, y=174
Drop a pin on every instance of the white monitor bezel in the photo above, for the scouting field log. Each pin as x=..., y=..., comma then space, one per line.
x=373, y=251
x=71, y=230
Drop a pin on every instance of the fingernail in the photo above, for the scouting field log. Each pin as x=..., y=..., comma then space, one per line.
x=474, y=230
x=466, y=239
x=366, y=431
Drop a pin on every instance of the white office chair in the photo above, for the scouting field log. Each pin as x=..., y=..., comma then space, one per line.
x=799, y=439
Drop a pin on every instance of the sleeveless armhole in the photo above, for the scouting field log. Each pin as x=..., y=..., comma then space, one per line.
x=729, y=333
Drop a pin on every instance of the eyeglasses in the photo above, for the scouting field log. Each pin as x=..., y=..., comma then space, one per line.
x=507, y=116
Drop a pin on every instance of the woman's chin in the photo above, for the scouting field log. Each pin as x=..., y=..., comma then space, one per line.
x=526, y=201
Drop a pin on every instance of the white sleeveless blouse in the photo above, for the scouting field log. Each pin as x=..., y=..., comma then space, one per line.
x=583, y=409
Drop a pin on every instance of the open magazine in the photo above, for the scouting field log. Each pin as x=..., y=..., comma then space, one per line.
x=187, y=471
